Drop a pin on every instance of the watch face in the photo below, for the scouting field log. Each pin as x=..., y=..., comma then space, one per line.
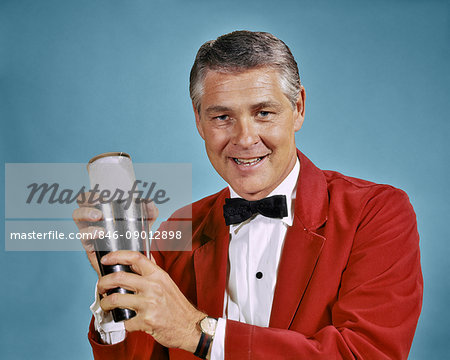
x=208, y=325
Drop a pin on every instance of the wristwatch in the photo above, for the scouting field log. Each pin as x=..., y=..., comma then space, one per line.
x=208, y=328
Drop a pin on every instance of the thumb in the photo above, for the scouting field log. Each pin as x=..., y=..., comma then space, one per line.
x=151, y=212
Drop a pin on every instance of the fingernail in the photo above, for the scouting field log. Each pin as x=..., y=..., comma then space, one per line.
x=94, y=215
x=104, y=259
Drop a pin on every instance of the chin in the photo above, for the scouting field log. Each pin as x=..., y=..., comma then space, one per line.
x=248, y=191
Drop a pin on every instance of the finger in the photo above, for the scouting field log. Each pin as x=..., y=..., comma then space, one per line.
x=152, y=211
x=129, y=281
x=84, y=215
x=135, y=324
x=88, y=235
x=139, y=263
x=87, y=199
x=123, y=301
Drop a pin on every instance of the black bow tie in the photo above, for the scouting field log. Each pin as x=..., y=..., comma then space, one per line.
x=237, y=210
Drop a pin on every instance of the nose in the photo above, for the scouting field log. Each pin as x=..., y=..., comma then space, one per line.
x=245, y=133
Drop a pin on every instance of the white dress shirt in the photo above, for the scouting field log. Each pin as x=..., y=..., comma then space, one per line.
x=253, y=257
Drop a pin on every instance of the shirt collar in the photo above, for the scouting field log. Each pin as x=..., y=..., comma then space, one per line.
x=288, y=188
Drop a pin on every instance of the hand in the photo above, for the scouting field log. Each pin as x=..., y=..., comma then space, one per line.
x=87, y=214
x=83, y=216
x=162, y=309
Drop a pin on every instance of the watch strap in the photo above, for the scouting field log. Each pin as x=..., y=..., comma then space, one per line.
x=203, y=345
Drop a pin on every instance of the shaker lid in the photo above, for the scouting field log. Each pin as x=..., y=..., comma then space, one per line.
x=108, y=154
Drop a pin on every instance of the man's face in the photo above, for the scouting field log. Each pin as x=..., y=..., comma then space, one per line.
x=248, y=125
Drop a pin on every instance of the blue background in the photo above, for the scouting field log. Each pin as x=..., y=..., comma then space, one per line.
x=78, y=78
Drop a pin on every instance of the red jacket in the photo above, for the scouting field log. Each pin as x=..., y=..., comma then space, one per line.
x=349, y=283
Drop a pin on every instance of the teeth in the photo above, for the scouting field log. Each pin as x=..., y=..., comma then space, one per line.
x=247, y=162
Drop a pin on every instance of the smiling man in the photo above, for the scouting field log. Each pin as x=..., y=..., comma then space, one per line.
x=287, y=262
x=248, y=125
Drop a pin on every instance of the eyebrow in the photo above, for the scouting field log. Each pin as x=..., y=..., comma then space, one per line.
x=267, y=104
x=263, y=104
x=217, y=109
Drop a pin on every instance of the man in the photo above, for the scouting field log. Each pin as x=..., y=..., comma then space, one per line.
x=325, y=267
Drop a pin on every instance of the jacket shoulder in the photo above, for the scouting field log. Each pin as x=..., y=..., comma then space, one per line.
x=365, y=196
x=337, y=181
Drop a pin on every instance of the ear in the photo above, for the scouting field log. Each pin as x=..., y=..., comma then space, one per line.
x=197, y=122
x=299, y=114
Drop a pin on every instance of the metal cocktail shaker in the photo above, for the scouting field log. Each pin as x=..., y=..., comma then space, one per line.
x=124, y=218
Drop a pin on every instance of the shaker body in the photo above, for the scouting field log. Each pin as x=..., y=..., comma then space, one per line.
x=124, y=219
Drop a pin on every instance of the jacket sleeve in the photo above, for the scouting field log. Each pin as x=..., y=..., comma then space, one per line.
x=379, y=299
x=137, y=345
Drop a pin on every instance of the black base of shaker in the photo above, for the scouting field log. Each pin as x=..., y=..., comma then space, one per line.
x=118, y=313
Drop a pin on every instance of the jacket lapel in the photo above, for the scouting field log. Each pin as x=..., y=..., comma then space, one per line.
x=300, y=253
x=302, y=244
x=210, y=260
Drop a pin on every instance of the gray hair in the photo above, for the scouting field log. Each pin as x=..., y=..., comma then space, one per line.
x=242, y=50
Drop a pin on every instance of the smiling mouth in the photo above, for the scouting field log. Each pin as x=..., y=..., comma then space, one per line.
x=248, y=162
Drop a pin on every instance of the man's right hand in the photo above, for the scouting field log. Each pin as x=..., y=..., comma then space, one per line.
x=84, y=216
x=87, y=214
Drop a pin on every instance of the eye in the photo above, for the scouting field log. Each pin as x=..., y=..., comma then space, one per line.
x=222, y=117
x=264, y=115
